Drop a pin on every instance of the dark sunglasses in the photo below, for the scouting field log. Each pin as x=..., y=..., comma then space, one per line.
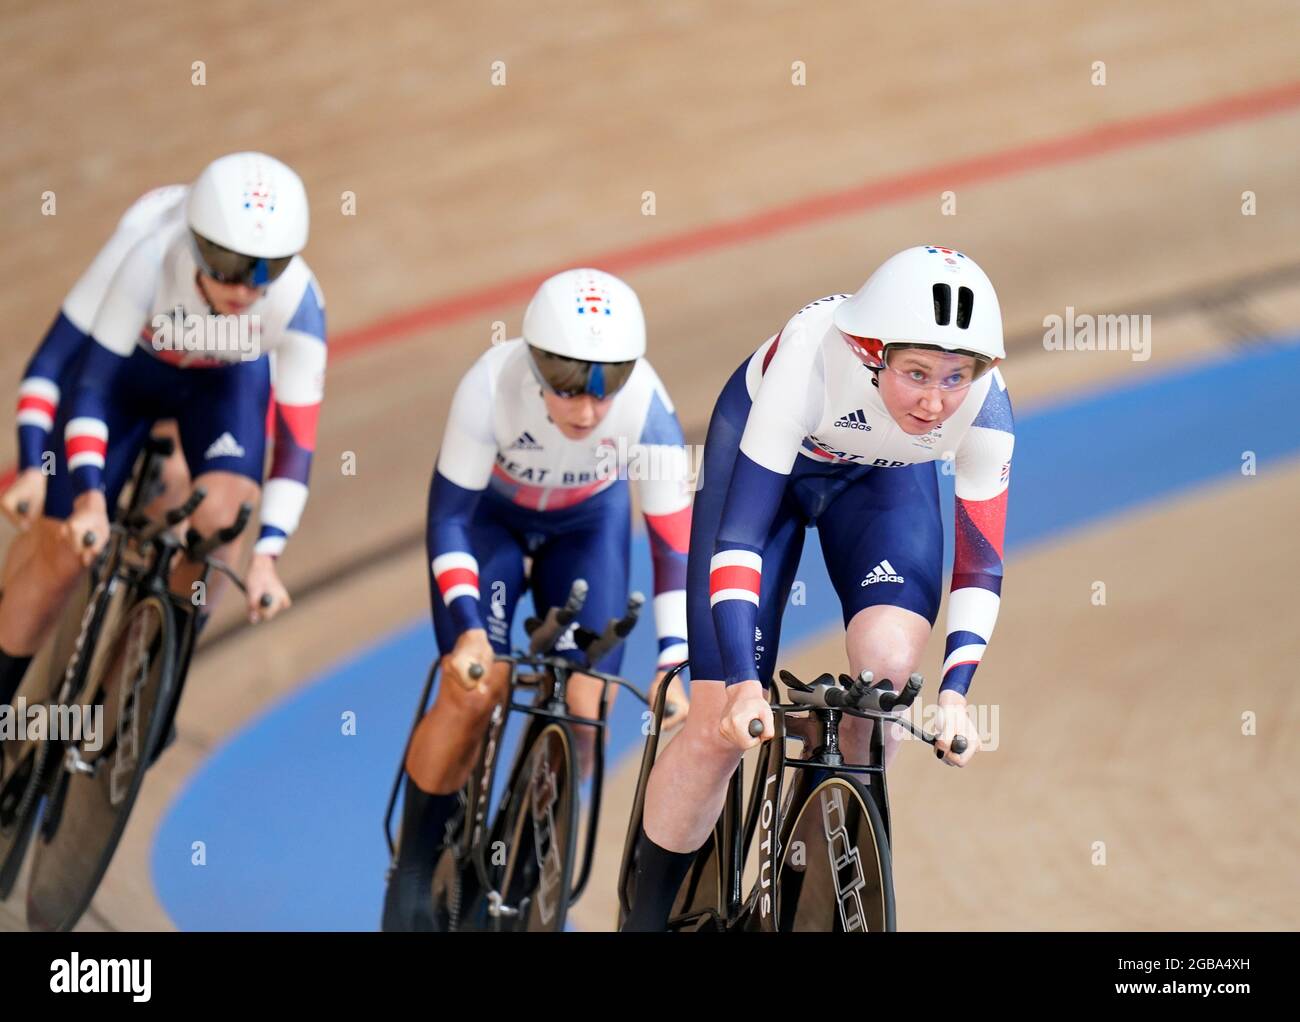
x=571, y=377
x=227, y=267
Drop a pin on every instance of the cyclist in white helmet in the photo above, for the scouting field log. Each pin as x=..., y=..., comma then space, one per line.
x=176, y=319
x=543, y=434
x=836, y=422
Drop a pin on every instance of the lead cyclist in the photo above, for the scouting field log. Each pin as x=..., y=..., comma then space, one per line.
x=836, y=422
x=530, y=491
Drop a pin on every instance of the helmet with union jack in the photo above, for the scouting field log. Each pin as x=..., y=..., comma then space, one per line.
x=585, y=331
x=928, y=297
x=248, y=218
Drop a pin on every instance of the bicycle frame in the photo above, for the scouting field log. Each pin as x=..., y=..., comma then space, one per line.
x=548, y=676
x=157, y=546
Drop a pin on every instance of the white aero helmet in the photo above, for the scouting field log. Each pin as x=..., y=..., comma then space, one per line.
x=248, y=216
x=585, y=330
x=929, y=296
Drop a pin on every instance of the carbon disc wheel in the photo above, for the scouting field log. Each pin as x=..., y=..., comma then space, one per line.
x=835, y=873
x=541, y=831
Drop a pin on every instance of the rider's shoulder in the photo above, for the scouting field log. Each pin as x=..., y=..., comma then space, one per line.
x=809, y=326
x=142, y=265
x=499, y=360
x=295, y=302
x=992, y=401
x=154, y=209
x=644, y=380
x=819, y=309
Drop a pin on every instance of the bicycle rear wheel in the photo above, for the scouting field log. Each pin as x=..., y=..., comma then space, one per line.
x=540, y=828
x=95, y=787
x=835, y=873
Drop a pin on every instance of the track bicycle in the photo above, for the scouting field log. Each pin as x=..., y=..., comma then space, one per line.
x=824, y=836
x=517, y=869
x=69, y=797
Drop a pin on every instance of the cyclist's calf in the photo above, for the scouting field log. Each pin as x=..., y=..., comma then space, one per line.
x=688, y=784
x=446, y=741
x=35, y=595
x=584, y=701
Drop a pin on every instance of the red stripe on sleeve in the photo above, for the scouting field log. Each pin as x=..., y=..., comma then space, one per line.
x=85, y=445
x=733, y=577
x=457, y=577
x=31, y=402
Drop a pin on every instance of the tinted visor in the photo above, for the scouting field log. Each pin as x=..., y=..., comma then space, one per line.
x=232, y=268
x=569, y=377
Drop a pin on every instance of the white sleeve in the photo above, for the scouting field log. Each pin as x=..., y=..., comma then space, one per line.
x=787, y=404
x=469, y=447
x=129, y=297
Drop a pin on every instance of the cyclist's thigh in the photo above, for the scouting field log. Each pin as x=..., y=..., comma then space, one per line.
x=594, y=545
x=780, y=554
x=882, y=538
x=222, y=422
x=500, y=556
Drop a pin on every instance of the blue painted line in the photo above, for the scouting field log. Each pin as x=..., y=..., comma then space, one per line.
x=288, y=809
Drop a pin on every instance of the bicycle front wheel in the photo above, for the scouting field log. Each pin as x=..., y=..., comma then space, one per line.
x=540, y=828
x=95, y=787
x=835, y=873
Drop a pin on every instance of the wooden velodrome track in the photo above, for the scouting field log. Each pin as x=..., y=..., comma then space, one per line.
x=1120, y=724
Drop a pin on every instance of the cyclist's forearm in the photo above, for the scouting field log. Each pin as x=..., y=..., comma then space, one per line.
x=453, y=569
x=86, y=436
x=38, y=394
x=736, y=568
x=669, y=542
x=976, y=589
x=285, y=494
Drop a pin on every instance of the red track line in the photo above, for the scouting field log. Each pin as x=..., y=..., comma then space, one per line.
x=885, y=191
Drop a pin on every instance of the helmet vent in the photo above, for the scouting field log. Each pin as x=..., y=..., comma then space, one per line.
x=965, y=305
x=942, y=304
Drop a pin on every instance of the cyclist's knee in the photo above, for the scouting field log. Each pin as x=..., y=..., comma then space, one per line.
x=887, y=641
x=704, y=746
x=472, y=707
x=887, y=665
x=54, y=565
x=225, y=492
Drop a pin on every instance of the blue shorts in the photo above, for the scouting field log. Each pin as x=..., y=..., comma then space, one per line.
x=868, y=519
x=591, y=541
x=207, y=404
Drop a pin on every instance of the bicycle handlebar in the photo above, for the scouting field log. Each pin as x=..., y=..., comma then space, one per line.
x=561, y=664
x=860, y=698
x=198, y=549
x=616, y=631
x=543, y=634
